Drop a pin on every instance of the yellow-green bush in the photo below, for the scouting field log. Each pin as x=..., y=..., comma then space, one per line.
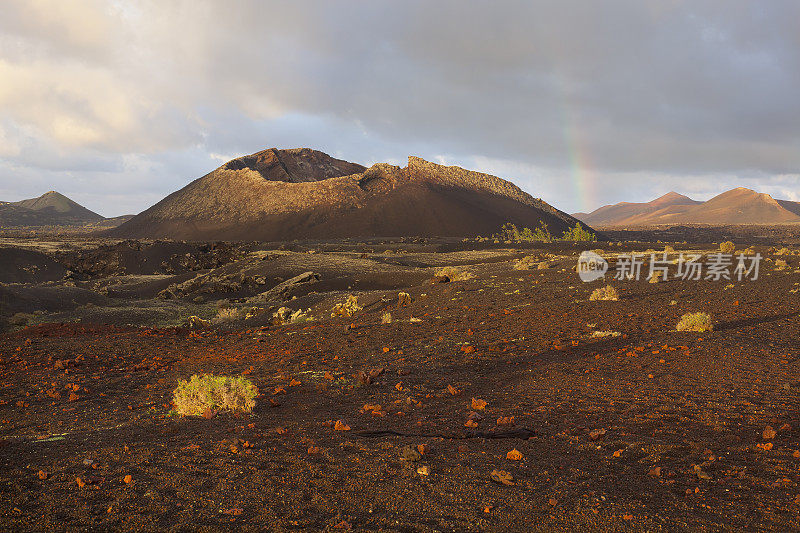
x=695, y=322
x=201, y=393
x=605, y=293
x=454, y=274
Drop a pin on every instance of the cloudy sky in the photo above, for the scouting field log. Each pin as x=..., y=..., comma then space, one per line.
x=581, y=103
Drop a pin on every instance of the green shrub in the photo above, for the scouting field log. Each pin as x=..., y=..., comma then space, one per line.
x=695, y=322
x=209, y=392
x=578, y=234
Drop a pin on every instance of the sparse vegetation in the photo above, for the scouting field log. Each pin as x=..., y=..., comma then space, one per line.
x=208, y=392
x=454, y=274
x=695, y=322
x=727, y=247
x=783, y=251
x=605, y=293
x=195, y=322
x=348, y=308
x=510, y=233
x=285, y=315
x=578, y=233
x=403, y=299
x=226, y=314
x=526, y=262
x=605, y=334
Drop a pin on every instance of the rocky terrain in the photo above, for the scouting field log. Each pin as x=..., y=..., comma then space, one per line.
x=737, y=206
x=493, y=395
x=283, y=195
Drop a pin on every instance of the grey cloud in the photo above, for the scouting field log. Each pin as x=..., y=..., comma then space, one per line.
x=649, y=96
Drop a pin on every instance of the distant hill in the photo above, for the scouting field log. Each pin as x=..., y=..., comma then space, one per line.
x=737, y=206
x=279, y=195
x=49, y=209
x=622, y=212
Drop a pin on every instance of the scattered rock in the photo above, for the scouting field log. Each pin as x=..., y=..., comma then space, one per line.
x=502, y=477
x=478, y=404
x=514, y=455
x=597, y=434
x=409, y=453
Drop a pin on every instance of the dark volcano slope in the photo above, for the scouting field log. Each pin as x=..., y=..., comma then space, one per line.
x=282, y=195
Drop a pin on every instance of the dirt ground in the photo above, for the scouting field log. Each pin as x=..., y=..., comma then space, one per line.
x=641, y=428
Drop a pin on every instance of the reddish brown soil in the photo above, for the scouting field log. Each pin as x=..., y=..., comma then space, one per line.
x=670, y=403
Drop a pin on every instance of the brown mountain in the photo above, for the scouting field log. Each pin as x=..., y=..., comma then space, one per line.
x=50, y=209
x=737, y=206
x=277, y=195
x=610, y=215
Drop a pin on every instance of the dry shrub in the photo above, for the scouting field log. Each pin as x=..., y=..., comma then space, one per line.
x=727, y=247
x=525, y=263
x=209, y=392
x=403, y=299
x=604, y=334
x=605, y=293
x=227, y=314
x=695, y=322
x=285, y=315
x=656, y=276
x=386, y=318
x=669, y=249
x=783, y=251
x=780, y=264
x=348, y=308
x=544, y=265
x=254, y=312
x=195, y=322
x=454, y=274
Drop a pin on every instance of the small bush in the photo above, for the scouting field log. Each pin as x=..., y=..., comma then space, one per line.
x=195, y=322
x=454, y=274
x=386, y=318
x=348, y=308
x=780, y=264
x=695, y=322
x=605, y=293
x=209, y=392
x=525, y=263
x=655, y=277
x=227, y=314
x=403, y=299
x=727, y=247
x=669, y=249
x=285, y=315
x=578, y=234
x=604, y=334
x=783, y=251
